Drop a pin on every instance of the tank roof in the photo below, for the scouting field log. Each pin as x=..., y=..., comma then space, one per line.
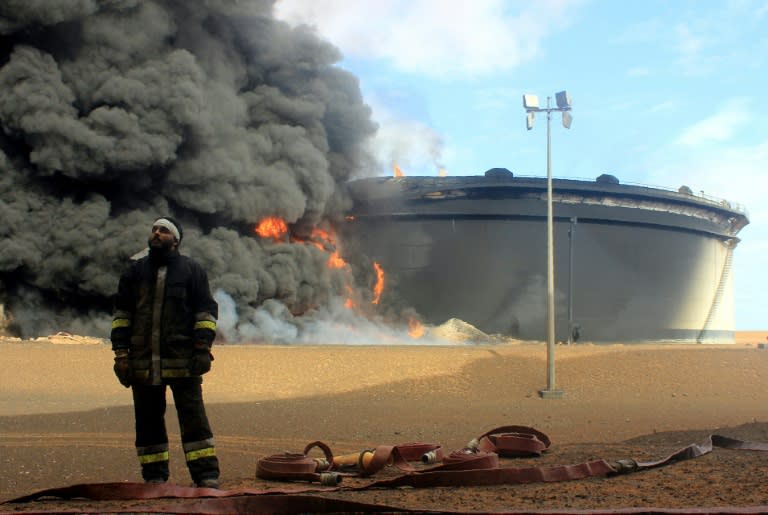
x=420, y=195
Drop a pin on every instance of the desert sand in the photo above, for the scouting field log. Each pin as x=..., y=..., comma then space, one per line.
x=65, y=420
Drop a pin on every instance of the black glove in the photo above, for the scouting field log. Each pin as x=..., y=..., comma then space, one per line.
x=122, y=370
x=200, y=363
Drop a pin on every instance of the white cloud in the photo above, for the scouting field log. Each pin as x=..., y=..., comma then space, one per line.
x=719, y=127
x=439, y=38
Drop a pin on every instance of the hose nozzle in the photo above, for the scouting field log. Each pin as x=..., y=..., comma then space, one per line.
x=357, y=460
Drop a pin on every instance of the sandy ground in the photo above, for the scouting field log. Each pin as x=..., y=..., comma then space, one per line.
x=65, y=420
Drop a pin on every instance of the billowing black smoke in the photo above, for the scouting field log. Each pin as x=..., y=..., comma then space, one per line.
x=114, y=112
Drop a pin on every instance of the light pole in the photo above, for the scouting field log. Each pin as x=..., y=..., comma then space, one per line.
x=531, y=105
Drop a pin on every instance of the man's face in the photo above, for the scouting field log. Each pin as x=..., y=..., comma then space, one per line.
x=161, y=238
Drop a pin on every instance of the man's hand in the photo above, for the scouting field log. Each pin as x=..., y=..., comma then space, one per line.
x=122, y=370
x=200, y=363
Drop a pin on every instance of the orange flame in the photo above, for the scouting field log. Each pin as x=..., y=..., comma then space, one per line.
x=379, y=286
x=326, y=241
x=277, y=229
x=321, y=234
x=336, y=261
x=442, y=172
x=415, y=329
x=349, y=303
x=272, y=227
x=397, y=170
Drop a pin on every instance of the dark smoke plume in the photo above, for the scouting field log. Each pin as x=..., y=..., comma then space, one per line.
x=114, y=112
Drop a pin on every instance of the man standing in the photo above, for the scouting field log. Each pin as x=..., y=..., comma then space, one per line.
x=163, y=327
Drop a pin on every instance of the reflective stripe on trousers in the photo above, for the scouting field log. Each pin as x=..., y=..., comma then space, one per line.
x=201, y=449
x=152, y=454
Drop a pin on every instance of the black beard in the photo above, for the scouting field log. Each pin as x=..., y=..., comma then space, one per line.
x=160, y=254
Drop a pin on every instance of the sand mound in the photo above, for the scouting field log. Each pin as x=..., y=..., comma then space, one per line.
x=456, y=330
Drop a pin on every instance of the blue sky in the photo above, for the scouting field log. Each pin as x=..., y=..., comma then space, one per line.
x=665, y=93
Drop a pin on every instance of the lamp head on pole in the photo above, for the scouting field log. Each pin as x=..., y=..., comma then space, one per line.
x=563, y=99
x=529, y=119
x=530, y=102
x=567, y=119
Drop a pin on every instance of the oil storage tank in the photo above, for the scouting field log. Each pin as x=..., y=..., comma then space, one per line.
x=632, y=263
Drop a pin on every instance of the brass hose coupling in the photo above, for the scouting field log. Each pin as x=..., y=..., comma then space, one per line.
x=321, y=464
x=429, y=457
x=330, y=478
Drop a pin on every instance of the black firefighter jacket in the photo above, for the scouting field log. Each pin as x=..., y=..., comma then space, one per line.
x=163, y=314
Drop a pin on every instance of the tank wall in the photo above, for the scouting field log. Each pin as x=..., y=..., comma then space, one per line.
x=639, y=283
x=630, y=283
x=487, y=274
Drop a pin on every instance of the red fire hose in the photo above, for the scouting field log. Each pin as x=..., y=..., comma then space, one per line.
x=476, y=464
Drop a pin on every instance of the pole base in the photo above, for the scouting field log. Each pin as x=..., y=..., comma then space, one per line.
x=551, y=394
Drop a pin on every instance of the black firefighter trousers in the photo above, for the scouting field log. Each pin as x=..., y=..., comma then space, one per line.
x=152, y=439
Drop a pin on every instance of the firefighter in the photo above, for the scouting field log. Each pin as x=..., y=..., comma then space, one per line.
x=164, y=323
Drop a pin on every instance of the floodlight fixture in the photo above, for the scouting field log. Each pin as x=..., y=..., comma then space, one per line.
x=563, y=99
x=530, y=102
x=567, y=119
